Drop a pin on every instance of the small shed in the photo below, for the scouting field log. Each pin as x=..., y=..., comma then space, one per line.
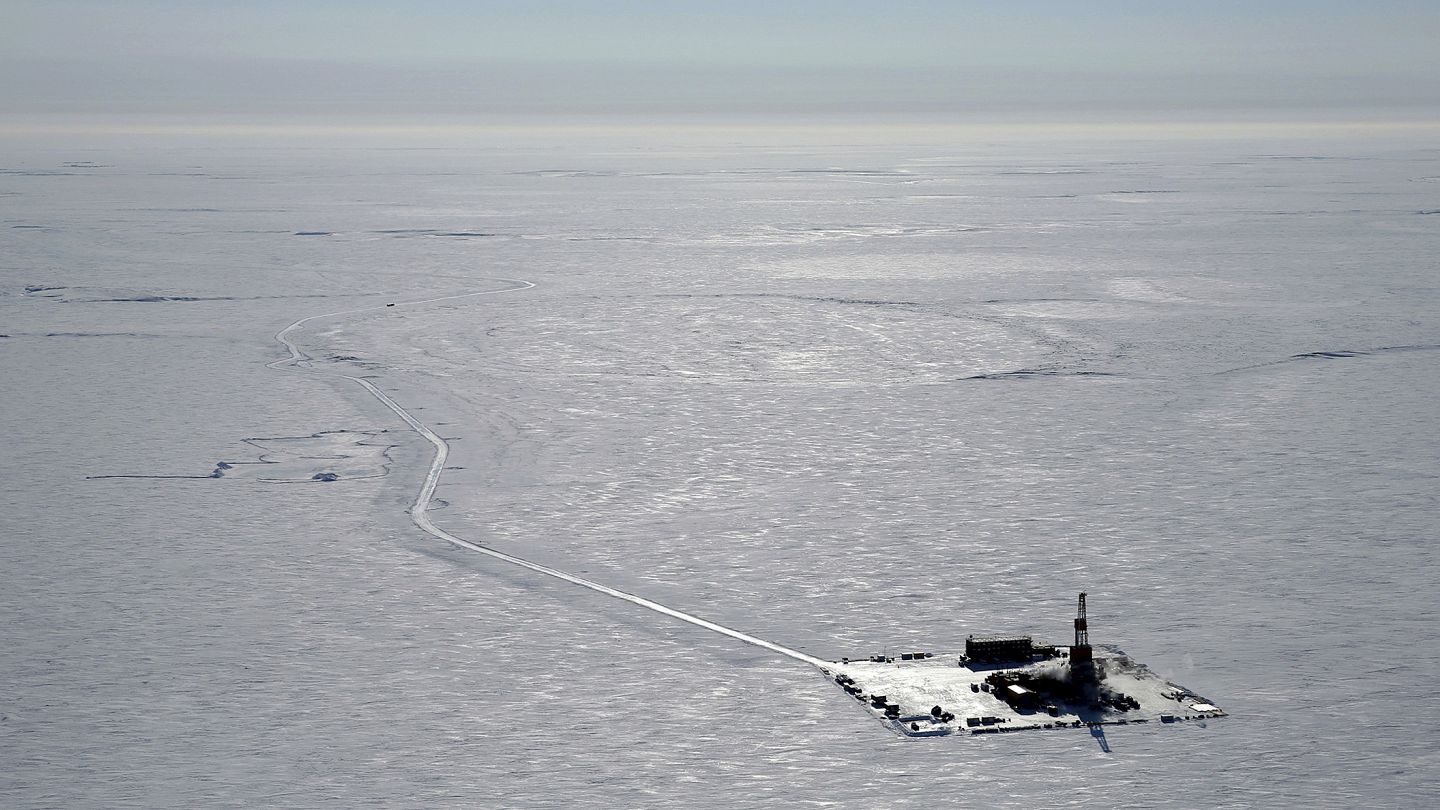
x=1018, y=696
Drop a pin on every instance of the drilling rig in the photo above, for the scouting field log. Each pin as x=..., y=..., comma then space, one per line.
x=1082, y=659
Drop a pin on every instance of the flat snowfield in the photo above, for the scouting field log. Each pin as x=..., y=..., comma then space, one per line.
x=262, y=534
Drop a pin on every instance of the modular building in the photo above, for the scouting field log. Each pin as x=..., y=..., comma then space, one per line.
x=1019, y=697
x=999, y=648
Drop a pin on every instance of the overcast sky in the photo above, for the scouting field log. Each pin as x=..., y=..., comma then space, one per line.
x=947, y=57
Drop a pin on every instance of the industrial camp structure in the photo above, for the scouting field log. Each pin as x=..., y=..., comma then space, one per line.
x=999, y=648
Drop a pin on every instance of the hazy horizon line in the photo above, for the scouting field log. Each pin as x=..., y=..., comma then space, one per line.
x=1187, y=124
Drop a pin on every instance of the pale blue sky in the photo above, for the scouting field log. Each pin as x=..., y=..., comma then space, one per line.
x=743, y=56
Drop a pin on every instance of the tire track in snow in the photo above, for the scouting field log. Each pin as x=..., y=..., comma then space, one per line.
x=419, y=510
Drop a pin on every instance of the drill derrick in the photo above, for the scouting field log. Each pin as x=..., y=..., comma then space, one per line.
x=1082, y=658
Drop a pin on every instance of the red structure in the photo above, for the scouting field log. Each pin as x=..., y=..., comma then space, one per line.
x=1081, y=658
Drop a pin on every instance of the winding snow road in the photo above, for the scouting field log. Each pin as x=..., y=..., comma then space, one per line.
x=419, y=510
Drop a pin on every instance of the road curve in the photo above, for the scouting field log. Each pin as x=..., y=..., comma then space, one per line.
x=296, y=356
x=419, y=510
